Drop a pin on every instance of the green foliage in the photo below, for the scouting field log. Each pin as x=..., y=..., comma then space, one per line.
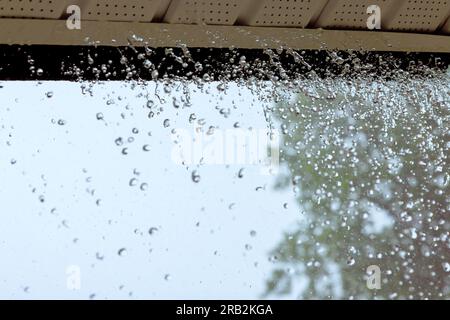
x=369, y=154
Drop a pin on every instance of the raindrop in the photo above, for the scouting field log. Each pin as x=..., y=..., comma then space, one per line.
x=296, y=180
x=146, y=148
x=133, y=182
x=122, y=252
x=393, y=295
x=49, y=94
x=192, y=117
x=195, y=176
x=147, y=64
x=61, y=122
x=176, y=103
x=351, y=261
x=144, y=186
x=100, y=116
x=152, y=230
x=253, y=233
x=150, y=104
x=221, y=87
x=166, y=123
x=167, y=277
x=118, y=141
x=241, y=173
x=206, y=77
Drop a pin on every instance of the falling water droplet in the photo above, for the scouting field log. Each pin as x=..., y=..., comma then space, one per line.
x=446, y=266
x=146, y=148
x=118, y=142
x=133, y=182
x=150, y=104
x=144, y=186
x=147, y=64
x=351, y=261
x=195, y=176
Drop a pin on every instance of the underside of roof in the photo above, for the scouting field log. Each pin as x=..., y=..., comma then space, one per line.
x=406, y=25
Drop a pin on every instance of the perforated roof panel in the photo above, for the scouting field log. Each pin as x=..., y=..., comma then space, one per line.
x=232, y=22
x=290, y=13
x=48, y=9
x=222, y=12
x=119, y=10
x=419, y=15
x=446, y=27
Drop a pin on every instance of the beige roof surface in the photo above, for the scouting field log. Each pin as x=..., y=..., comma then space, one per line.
x=241, y=23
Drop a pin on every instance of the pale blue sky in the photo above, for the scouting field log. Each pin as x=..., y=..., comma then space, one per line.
x=205, y=261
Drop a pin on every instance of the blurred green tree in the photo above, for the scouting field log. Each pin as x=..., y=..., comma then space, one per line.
x=369, y=165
